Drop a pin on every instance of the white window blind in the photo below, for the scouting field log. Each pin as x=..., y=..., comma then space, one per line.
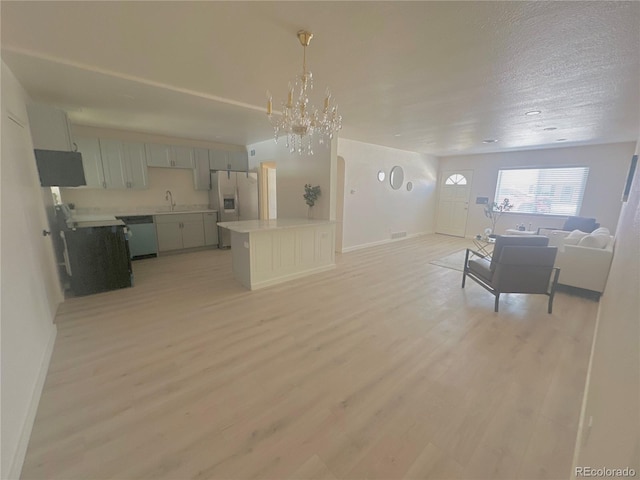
x=546, y=191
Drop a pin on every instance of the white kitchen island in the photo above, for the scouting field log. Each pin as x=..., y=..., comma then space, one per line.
x=267, y=252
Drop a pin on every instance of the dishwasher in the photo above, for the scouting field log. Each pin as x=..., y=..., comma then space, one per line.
x=143, y=242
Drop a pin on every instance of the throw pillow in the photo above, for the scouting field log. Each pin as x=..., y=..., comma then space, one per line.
x=594, y=241
x=574, y=237
x=601, y=231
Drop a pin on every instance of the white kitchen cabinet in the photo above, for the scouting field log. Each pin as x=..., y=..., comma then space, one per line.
x=168, y=156
x=135, y=165
x=239, y=161
x=192, y=230
x=210, y=228
x=169, y=236
x=50, y=128
x=202, y=171
x=180, y=230
x=219, y=160
x=123, y=164
x=224, y=160
x=89, y=148
x=182, y=156
x=158, y=155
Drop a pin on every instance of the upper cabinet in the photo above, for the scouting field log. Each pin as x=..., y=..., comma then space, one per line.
x=89, y=148
x=239, y=161
x=224, y=160
x=169, y=156
x=201, y=172
x=50, y=128
x=123, y=164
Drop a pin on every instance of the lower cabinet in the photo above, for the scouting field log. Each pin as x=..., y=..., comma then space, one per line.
x=180, y=230
x=210, y=228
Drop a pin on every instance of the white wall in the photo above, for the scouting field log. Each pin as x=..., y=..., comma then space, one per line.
x=293, y=171
x=178, y=180
x=612, y=395
x=31, y=291
x=373, y=211
x=607, y=173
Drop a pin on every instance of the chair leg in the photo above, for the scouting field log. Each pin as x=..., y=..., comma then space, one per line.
x=495, y=308
x=554, y=284
x=464, y=267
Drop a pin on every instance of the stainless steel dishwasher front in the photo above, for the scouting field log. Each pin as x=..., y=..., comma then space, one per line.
x=143, y=242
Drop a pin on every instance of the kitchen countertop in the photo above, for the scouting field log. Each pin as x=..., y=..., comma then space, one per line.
x=87, y=221
x=176, y=212
x=248, y=226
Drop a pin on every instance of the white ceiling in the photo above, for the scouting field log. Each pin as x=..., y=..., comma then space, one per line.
x=432, y=77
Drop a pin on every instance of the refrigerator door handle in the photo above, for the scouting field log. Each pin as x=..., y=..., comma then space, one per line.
x=237, y=202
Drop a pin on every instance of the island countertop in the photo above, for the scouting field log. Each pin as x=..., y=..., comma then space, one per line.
x=248, y=226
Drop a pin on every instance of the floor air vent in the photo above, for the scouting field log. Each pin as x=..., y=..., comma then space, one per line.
x=398, y=234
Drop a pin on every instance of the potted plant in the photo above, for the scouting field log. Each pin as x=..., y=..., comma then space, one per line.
x=311, y=194
x=493, y=211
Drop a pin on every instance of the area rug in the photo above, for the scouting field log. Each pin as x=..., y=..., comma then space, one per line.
x=454, y=261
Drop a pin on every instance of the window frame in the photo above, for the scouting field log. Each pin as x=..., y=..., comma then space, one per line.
x=499, y=198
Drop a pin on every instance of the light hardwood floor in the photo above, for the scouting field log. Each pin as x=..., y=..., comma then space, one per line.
x=382, y=368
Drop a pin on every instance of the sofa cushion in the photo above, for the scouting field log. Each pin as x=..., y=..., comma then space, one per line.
x=594, y=241
x=574, y=237
x=601, y=231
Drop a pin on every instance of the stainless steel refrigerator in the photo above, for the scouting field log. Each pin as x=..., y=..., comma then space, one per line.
x=235, y=196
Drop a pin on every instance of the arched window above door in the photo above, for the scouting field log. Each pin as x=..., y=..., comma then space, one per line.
x=456, y=179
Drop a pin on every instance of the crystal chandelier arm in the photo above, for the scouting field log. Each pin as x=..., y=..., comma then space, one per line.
x=300, y=121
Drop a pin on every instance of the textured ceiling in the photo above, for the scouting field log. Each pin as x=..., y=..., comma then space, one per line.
x=432, y=77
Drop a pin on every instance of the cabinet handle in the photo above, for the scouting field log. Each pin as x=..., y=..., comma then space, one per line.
x=75, y=146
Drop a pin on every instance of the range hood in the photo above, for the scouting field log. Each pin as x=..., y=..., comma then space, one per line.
x=60, y=169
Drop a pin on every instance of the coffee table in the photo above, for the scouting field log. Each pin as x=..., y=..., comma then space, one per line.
x=484, y=246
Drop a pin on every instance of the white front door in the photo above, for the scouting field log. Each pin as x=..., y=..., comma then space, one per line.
x=453, y=202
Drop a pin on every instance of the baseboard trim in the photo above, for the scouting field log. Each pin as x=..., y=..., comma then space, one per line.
x=383, y=242
x=18, y=460
x=291, y=276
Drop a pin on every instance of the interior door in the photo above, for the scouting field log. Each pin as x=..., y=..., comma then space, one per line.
x=453, y=202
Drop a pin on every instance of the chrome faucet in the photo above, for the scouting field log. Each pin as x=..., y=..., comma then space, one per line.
x=169, y=197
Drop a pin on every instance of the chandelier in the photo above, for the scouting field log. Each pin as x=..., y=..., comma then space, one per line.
x=300, y=121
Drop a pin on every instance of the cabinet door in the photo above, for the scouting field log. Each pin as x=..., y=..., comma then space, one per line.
x=113, y=164
x=192, y=230
x=157, y=155
x=182, y=157
x=219, y=160
x=136, y=166
x=210, y=228
x=169, y=236
x=49, y=128
x=239, y=161
x=89, y=148
x=201, y=172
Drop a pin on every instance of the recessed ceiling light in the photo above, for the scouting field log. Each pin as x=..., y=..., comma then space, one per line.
x=548, y=129
x=489, y=140
x=561, y=140
x=533, y=112
x=397, y=134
